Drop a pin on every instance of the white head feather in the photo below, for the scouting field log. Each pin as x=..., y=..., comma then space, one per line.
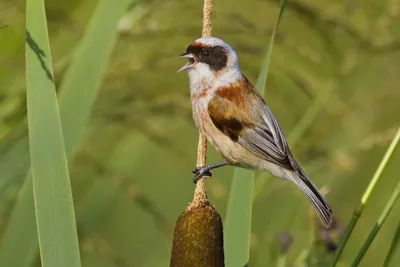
x=202, y=73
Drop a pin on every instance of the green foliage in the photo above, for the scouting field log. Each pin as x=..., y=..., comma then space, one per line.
x=393, y=246
x=238, y=219
x=55, y=217
x=18, y=229
x=84, y=75
x=333, y=78
x=366, y=196
x=377, y=227
x=78, y=92
x=240, y=205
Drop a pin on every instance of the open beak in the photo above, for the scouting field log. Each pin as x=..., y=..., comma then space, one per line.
x=190, y=63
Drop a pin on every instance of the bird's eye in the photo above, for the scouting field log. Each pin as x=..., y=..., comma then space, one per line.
x=206, y=53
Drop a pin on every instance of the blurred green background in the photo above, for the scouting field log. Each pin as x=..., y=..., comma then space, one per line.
x=336, y=63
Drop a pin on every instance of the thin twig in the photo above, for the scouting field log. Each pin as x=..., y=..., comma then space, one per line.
x=207, y=18
x=200, y=193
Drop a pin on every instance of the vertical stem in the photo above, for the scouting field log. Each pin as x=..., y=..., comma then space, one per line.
x=357, y=213
x=207, y=18
x=393, y=245
x=377, y=226
x=200, y=193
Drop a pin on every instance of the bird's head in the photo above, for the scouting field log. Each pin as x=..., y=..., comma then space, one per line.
x=208, y=57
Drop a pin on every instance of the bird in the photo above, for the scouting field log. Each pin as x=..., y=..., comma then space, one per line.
x=228, y=110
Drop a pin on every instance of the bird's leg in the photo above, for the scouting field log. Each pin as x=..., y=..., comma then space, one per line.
x=205, y=170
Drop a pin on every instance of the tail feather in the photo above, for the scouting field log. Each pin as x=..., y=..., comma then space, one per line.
x=320, y=205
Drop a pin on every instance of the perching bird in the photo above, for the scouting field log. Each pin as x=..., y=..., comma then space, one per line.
x=234, y=118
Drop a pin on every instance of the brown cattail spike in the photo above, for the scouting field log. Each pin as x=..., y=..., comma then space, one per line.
x=198, y=238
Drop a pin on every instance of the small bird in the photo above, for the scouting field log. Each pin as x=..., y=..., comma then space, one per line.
x=232, y=115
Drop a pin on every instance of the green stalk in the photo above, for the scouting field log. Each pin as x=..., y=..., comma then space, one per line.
x=357, y=213
x=85, y=74
x=238, y=215
x=377, y=226
x=55, y=216
x=393, y=245
x=281, y=261
x=78, y=90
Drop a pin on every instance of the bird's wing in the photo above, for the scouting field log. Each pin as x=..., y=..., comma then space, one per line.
x=240, y=113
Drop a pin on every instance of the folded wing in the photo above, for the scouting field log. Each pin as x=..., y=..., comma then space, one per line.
x=242, y=115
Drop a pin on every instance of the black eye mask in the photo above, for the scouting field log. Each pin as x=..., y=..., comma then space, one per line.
x=215, y=57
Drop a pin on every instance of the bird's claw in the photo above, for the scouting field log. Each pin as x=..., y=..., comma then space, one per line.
x=200, y=172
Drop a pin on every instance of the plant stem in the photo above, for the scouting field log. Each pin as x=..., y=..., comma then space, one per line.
x=393, y=246
x=357, y=213
x=200, y=193
x=377, y=226
x=281, y=261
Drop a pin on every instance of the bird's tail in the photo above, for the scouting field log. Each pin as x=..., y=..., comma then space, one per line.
x=320, y=205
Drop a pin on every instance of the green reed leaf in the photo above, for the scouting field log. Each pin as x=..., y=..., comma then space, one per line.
x=238, y=216
x=364, y=200
x=55, y=217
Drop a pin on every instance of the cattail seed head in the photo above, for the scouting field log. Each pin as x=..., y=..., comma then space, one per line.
x=198, y=238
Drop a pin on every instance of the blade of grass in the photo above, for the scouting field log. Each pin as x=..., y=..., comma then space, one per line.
x=357, y=213
x=393, y=245
x=378, y=225
x=55, y=216
x=14, y=163
x=263, y=75
x=18, y=229
x=84, y=76
x=103, y=25
x=238, y=215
